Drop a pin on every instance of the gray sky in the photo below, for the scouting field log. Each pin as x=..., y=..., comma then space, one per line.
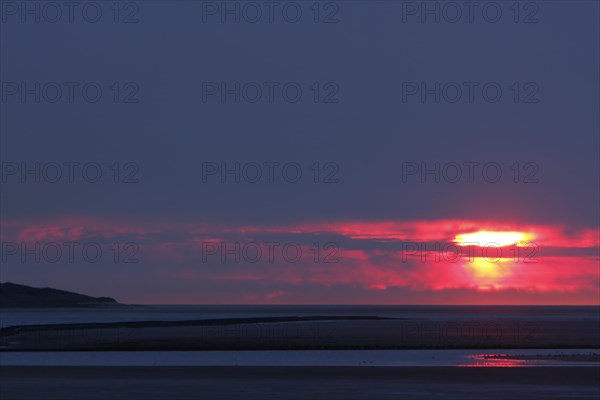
x=385, y=80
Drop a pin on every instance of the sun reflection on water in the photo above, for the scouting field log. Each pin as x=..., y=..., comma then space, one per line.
x=495, y=360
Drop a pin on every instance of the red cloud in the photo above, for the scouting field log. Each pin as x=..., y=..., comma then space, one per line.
x=178, y=247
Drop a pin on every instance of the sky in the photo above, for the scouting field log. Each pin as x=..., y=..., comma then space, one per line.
x=303, y=152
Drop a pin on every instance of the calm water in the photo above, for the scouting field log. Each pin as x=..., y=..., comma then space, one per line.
x=11, y=317
x=367, y=358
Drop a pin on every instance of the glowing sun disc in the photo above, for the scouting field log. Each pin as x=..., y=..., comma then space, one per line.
x=483, y=238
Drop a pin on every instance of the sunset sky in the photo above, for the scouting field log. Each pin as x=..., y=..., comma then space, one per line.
x=371, y=229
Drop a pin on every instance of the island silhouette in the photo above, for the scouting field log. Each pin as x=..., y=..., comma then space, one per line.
x=20, y=296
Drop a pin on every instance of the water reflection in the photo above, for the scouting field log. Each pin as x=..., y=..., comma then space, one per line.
x=514, y=358
x=496, y=360
x=547, y=359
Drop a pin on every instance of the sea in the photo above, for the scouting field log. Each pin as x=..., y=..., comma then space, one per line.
x=412, y=358
x=44, y=316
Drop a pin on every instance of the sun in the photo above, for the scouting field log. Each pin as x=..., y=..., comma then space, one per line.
x=488, y=275
x=490, y=271
x=483, y=238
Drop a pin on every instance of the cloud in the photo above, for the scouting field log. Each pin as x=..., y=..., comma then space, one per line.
x=373, y=256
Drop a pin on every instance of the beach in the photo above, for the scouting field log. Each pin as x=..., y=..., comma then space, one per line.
x=91, y=383
x=292, y=353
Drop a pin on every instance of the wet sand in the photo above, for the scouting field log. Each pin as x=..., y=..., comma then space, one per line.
x=349, y=332
x=116, y=383
x=476, y=331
